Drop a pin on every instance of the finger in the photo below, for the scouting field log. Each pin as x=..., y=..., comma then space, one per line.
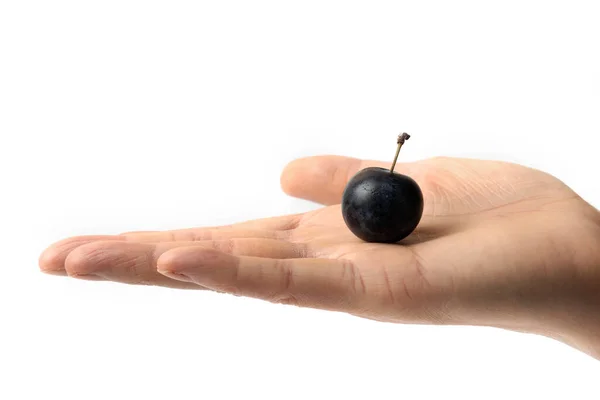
x=52, y=260
x=322, y=179
x=278, y=223
x=135, y=263
x=259, y=227
x=309, y=282
x=201, y=234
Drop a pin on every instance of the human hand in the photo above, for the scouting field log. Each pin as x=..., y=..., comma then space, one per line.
x=499, y=245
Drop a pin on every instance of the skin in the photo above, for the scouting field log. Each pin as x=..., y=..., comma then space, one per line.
x=499, y=245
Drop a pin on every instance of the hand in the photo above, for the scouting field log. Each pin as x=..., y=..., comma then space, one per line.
x=499, y=244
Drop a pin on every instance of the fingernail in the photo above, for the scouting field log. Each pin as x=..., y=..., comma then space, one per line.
x=176, y=275
x=57, y=272
x=87, y=277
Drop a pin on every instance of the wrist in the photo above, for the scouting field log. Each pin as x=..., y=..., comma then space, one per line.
x=579, y=320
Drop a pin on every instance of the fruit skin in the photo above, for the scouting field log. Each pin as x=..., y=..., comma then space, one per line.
x=382, y=206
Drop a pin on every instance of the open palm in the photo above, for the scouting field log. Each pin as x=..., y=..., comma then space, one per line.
x=490, y=231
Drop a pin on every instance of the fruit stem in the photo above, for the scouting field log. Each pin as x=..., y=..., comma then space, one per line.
x=401, y=139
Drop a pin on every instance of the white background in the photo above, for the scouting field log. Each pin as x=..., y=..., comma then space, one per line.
x=137, y=115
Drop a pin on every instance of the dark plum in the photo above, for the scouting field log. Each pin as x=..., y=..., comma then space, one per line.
x=379, y=205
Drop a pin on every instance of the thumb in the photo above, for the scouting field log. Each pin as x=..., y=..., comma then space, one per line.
x=322, y=179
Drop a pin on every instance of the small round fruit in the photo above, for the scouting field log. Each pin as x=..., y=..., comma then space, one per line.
x=382, y=206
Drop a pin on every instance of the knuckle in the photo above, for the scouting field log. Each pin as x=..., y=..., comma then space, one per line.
x=353, y=278
x=301, y=250
x=286, y=275
x=284, y=291
x=229, y=246
x=197, y=235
